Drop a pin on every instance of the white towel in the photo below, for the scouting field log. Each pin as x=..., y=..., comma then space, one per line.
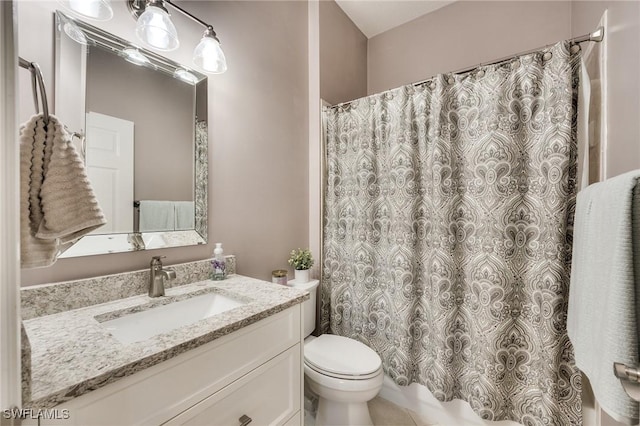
x=185, y=215
x=156, y=216
x=602, y=318
x=57, y=203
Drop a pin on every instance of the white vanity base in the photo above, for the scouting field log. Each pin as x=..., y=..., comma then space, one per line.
x=255, y=372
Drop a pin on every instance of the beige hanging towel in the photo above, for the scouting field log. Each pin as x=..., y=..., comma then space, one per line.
x=57, y=204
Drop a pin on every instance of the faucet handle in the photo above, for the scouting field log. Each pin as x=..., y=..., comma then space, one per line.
x=157, y=260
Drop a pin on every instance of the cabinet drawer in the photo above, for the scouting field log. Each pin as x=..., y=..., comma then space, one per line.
x=269, y=395
x=160, y=392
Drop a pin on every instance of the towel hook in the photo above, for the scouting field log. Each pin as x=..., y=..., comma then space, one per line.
x=624, y=372
x=629, y=378
x=37, y=83
x=82, y=138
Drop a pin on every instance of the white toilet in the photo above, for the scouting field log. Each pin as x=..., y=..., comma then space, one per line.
x=345, y=374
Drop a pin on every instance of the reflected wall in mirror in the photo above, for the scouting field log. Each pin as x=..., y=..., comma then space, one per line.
x=141, y=122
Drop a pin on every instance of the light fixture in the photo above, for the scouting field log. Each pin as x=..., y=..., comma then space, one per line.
x=134, y=56
x=100, y=10
x=208, y=55
x=155, y=29
x=185, y=76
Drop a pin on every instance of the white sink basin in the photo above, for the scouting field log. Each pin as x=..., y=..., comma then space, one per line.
x=143, y=325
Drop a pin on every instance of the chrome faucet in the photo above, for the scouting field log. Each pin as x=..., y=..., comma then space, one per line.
x=157, y=275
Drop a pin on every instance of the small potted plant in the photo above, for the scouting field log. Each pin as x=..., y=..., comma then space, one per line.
x=301, y=260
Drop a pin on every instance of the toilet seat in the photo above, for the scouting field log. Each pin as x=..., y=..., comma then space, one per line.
x=342, y=358
x=342, y=376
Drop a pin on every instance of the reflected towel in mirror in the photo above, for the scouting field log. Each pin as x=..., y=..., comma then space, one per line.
x=156, y=215
x=184, y=215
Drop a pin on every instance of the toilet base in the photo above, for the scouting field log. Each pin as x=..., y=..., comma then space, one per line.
x=333, y=413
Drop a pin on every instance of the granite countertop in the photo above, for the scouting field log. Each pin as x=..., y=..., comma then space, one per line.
x=72, y=353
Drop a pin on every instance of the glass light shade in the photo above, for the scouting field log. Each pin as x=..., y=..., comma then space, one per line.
x=209, y=56
x=99, y=10
x=155, y=28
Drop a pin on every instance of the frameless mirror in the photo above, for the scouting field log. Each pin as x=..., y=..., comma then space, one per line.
x=139, y=120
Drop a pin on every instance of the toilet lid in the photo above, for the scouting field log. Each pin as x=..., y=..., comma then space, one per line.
x=341, y=355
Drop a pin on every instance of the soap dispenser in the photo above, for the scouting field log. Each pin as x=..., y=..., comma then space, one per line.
x=218, y=265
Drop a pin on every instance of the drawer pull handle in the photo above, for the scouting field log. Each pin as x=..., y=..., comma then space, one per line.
x=245, y=420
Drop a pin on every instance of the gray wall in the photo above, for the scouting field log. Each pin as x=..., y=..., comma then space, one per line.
x=343, y=56
x=258, y=134
x=163, y=122
x=463, y=34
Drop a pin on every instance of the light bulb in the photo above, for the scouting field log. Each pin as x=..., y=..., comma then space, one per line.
x=71, y=29
x=134, y=56
x=155, y=28
x=208, y=54
x=185, y=76
x=99, y=10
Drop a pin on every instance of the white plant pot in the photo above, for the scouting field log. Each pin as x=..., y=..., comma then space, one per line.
x=301, y=276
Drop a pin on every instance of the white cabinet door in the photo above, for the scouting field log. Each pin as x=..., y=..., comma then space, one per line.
x=269, y=395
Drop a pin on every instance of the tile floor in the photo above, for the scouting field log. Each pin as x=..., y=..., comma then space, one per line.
x=384, y=413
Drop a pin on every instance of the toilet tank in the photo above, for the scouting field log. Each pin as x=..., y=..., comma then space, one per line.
x=309, y=306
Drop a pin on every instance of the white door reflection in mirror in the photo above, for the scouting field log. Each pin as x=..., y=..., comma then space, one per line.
x=109, y=161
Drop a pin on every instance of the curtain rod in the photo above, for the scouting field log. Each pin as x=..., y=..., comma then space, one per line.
x=597, y=36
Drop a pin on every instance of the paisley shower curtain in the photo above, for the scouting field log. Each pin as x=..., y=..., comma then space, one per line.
x=447, y=234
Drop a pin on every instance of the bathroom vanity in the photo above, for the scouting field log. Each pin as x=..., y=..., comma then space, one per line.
x=238, y=366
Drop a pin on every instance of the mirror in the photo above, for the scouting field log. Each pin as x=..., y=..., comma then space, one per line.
x=140, y=122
